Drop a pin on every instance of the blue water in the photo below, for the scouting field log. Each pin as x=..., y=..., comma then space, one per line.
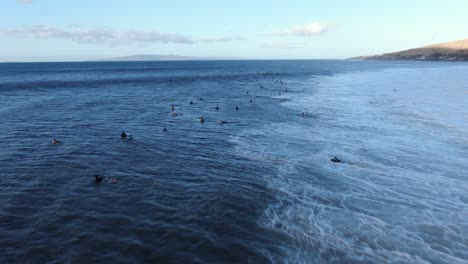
x=258, y=189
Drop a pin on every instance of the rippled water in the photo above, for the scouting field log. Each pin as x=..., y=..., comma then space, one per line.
x=259, y=189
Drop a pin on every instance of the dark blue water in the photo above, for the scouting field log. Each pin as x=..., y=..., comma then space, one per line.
x=258, y=189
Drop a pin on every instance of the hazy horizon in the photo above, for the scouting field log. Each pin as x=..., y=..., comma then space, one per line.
x=191, y=58
x=47, y=30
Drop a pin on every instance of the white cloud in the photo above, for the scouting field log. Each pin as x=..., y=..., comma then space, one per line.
x=23, y=1
x=223, y=39
x=315, y=28
x=96, y=35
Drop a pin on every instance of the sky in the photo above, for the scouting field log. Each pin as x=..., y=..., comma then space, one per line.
x=67, y=30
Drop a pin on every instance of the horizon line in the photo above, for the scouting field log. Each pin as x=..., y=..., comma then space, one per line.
x=181, y=60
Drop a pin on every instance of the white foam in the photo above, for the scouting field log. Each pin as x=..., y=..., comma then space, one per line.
x=404, y=199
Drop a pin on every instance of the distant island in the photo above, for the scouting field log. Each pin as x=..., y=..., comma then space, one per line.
x=450, y=51
x=153, y=57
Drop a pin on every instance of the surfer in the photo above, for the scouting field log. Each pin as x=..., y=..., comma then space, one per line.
x=123, y=135
x=237, y=108
x=98, y=179
x=217, y=107
x=55, y=141
x=201, y=120
x=191, y=102
x=164, y=130
x=336, y=160
x=172, y=108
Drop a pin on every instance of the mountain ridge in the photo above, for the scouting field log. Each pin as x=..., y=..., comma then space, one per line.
x=448, y=51
x=168, y=57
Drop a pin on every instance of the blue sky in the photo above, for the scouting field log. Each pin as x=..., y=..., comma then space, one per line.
x=51, y=30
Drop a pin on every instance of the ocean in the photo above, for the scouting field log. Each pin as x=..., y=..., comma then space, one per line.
x=259, y=188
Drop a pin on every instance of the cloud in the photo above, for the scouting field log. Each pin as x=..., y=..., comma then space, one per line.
x=23, y=1
x=223, y=39
x=96, y=35
x=315, y=28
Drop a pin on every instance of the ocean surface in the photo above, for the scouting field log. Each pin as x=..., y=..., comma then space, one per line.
x=258, y=189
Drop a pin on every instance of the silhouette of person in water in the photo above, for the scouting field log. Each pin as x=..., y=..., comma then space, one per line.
x=237, y=108
x=217, y=107
x=123, y=135
x=164, y=130
x=191, y=102
x=251, y=101
x=98, y=179
x=55, y=141
x=336, y=160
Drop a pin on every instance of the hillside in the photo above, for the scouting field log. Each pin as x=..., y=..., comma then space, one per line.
x=450, y=51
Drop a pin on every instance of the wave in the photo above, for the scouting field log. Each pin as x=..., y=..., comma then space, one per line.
x=381, y=209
